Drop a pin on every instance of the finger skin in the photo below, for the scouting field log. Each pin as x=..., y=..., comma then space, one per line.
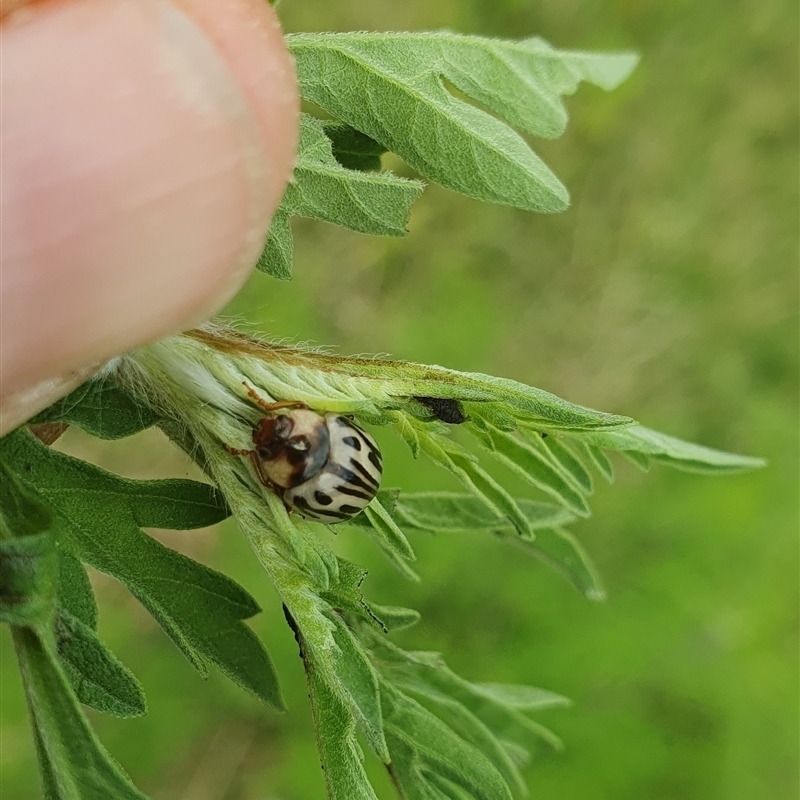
x=145, y=144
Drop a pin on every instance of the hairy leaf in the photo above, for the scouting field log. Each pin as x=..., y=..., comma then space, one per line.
x=334, y=727
x=99, y=679
x=392, y=88
x=358, y=684
x=74, y=590
x=28, y=561
x=321, y=188
x=201, y=610
x=636, y=439
x=352, y=149
x=498, y=707
x=573, y=468
x=452, y=512
x=532, y=461
x=436, y=748
x=391, y=540
x=102, y=409
x=74, y=764
x=601, y=463
x=278, y=254
x=464, y=723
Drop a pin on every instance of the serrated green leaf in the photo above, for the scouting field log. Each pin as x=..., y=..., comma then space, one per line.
x=98, y=678
x=74, y=764
x=28, y=561
x=639, y=460
x=491, y=706
x=353, y=149
x=322, y=188
x=437, y=748
x=561, y=550
x=376, y=203
x=102, y=409
x=334, y=728
x=391, y=87
x=395, y=618
x=74, y=590
x=447, y=512
x=452, y=512
x=462, y=722
x=600, y=461
x=278, y=254
x=200, y=609
x=344, y=594
x=531, y=460
x=573, y=468
x=522, y=698
x=358, y=685
x=390, y=537
x=669, y=450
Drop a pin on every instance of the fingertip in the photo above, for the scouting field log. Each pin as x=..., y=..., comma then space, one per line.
x=146, y=146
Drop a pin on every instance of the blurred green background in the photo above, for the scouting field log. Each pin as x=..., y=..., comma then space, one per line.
x=668, y=291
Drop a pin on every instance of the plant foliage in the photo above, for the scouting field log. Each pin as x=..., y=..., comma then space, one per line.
x=441, y=737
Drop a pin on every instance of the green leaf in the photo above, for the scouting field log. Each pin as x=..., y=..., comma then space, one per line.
x=532, y=461
x=102, y=409
x=464, y=466
x=278, y=254
x=74, y=590
x=395, y=618
x=464, y=723
x=74, y=764
x=200, y=609
x=98, y=678
x=522, y=698
x=321, y=188
x=636, y=439
x=448, y=512
x=358, y=685
x=392, y=88
x=499, y=708
x=573, y=468
x=334, y=727
x=561, y=550
x=390, y=539
x=601, y=463
x=28, y=562
x=352, y=149
x=376, y=203
x=436, y=748
x=344, y=594
x=452, y=512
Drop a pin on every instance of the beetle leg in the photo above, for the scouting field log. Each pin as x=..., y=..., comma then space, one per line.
x=234, y=452
x=270, y=407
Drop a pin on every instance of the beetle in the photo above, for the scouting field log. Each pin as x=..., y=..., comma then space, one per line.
x=323, y=465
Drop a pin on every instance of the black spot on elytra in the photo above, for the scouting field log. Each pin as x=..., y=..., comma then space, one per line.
x=354, y=442
x=348, y=511
x=448, y=411
x=303, y=505
x=322, y=498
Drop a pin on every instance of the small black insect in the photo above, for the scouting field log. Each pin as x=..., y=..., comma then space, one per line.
x=448, y=411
